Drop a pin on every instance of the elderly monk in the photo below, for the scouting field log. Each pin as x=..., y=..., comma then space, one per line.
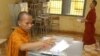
x=89, y=33
x=18, y=43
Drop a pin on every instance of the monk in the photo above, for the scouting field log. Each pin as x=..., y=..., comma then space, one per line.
x=89, y=33
x=19, y=42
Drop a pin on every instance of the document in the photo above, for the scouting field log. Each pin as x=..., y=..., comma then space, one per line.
x=57, y=49
x=60, y=46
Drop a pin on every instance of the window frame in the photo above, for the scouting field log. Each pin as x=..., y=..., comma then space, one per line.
x=74, y=15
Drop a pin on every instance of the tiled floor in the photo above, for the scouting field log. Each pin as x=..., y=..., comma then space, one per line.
x=88, y=50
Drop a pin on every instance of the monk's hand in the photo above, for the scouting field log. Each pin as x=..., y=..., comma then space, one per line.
x=49, y=42
x=83, y=20
x=86, y=20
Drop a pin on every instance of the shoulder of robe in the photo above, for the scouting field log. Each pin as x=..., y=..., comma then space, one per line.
x=15, y=36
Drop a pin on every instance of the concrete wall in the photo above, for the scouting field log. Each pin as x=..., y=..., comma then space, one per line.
x=67, y=23
x=5, y=22
x=70, y=23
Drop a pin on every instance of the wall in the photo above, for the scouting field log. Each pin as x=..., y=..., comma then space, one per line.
x=5, y=21
x=70, y=23
x=67, y=23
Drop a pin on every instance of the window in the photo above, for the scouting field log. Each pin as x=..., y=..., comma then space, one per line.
x=55, y=6
x=67, y=7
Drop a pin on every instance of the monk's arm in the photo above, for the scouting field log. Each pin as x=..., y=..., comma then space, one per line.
x=38, y=45
x=92, y=18
x=30, y=46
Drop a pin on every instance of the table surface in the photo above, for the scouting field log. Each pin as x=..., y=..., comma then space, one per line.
x=65, y=53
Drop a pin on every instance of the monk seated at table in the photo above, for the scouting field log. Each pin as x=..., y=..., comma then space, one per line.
x=18, y=43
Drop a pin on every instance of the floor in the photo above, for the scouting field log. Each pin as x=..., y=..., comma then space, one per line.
x=87, y=51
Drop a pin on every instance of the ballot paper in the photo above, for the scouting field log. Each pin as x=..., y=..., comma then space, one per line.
x=46, y=37
x=57, y=49
x=60, y=46
x=79, y=20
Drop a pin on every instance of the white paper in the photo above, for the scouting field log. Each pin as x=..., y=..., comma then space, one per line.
x=60, y=46
x=79, y=20
x=46, y=52
x=45, y=38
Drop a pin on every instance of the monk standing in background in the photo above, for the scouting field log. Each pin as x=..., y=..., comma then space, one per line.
x=89, y=33
x=18, y=43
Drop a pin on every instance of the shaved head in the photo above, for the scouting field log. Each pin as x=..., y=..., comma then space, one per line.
x=94, y=2
x=24, y=21
x=22, y=14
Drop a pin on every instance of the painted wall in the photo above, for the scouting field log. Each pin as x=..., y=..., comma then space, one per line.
x=5, y=21
x=70, y=23
x=67, y=23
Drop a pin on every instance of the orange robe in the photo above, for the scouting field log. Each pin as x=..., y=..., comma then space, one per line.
x=17, y=38
x=89, y=32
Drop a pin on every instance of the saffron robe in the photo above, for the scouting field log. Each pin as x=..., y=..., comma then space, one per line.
x=17, y=38
x=89, y=32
